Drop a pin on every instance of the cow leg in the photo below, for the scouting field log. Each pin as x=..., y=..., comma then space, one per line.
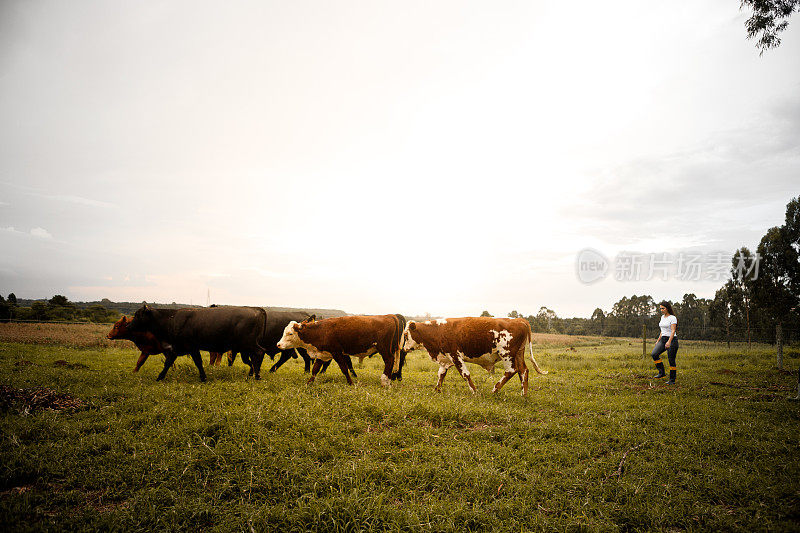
x=198, y=362
x=142, y=358
x=306, y=359
x=522, y=370
x=506, y=376
x=169, y=359
x=442, y=373
x=458, y=362
x=342, y=362
x=256, y=359
x=285, y=356
x=399, y=374
x=317, y=365
x=350, y=365
x=388, y=366
x=231, y=357
x=523, y=378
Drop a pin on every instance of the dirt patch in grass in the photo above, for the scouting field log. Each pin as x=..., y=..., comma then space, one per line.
x=37, y=399
x=72, y=366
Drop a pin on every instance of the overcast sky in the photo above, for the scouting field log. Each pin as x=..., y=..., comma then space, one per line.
x=378, y=157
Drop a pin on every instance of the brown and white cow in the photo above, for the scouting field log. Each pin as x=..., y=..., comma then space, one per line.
x=353, y=336
x=480, y=340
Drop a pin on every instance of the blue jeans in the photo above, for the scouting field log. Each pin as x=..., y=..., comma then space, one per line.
x=661, y=347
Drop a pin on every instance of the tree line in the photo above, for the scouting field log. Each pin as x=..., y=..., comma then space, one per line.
x=57, y=308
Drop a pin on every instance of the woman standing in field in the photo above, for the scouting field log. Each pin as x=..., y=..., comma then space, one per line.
x=667, y=341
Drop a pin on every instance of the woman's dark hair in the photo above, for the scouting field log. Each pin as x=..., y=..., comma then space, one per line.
x=668, y=306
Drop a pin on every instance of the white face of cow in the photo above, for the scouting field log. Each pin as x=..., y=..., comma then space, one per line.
x=290, y=338
x=408, y=343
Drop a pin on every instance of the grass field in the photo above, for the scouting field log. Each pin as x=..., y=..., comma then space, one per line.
x=85, y=444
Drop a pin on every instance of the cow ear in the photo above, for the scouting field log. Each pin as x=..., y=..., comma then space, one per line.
x=124, y=319
x=412, y=326
x=296, y=326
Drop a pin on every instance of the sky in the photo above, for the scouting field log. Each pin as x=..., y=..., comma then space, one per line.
x=378, y=157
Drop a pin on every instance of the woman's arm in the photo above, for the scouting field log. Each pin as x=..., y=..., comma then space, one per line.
x=673, y=328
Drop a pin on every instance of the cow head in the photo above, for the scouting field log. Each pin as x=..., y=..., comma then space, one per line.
x=408, y=342
x=119, y=329
x=291, y=336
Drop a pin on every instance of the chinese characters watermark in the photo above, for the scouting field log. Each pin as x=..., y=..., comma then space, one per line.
x=592, y=266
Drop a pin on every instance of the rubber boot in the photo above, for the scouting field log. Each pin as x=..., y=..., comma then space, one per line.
x=672, y=374
x=660, y=368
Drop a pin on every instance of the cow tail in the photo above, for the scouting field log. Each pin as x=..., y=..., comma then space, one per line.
x=396, y=338
x=263, y=332
x=530, y=345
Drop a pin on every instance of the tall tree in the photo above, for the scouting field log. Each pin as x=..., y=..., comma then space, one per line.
x=740, y=286
x=792, y=250
x=769, y=19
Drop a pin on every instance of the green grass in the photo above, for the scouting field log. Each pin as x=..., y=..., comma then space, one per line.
x=717, y=452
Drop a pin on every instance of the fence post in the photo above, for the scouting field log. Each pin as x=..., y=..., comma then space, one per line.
x=796, y=398
x=644, y=341
x=779, y=344
x=728, y=331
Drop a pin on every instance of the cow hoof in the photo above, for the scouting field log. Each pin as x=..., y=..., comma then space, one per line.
x=384, y=380
x=258, y=376
x=202, y=379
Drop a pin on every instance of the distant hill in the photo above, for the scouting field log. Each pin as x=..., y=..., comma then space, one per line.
x=129, y=308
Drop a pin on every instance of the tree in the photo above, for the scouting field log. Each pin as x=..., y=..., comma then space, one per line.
x=12, y=299
x=486, y=313
x=598, y=321
x=719, y=312
x=792, y=240
x=59, y=301
x=543, y=321
x=514, y=314
x=769, y=18
x=39, y=310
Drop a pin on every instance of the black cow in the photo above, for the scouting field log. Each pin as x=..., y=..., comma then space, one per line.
x=219, y=329
x=276, y=323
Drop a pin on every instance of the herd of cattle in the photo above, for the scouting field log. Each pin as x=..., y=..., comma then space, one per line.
x=254, y=332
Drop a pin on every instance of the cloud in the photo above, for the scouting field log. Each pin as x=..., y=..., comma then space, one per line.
x=69, y=198
x=41, y=233
x=702, y=195
x=66, y=198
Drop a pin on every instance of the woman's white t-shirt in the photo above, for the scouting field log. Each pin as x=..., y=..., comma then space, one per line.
x=665, y=323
